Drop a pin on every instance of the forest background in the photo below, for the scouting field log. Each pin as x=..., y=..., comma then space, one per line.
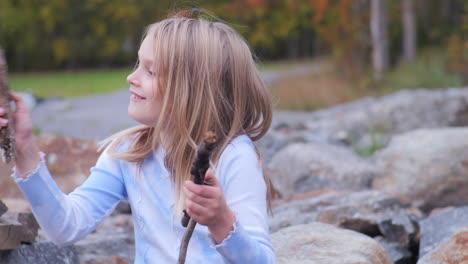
x=352, y=48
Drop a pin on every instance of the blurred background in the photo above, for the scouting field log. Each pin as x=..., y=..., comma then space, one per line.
x=326, y=51
x=406, y=137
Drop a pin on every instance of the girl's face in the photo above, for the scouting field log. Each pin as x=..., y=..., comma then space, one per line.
x=144, y=107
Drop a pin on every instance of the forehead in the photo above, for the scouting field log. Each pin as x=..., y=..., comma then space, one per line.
x=147, y=49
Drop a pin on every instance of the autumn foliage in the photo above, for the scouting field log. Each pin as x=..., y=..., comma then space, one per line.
x=95, y=33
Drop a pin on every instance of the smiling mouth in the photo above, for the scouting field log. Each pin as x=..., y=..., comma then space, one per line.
x=136, y=96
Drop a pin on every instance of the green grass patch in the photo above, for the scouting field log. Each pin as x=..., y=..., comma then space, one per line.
x=80, y=83
x=427, y=71
x=70, y=84
x=281, y=65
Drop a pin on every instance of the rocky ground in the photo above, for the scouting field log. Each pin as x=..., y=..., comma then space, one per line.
x=404, y=201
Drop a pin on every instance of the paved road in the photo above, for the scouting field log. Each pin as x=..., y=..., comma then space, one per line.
x=98, y=116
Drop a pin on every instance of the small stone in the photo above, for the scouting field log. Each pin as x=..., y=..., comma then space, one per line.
x=398, y=253
x=3, y=208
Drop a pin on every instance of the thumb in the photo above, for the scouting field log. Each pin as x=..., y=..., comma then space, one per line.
x=19, y=101
x=16, y=97
x=210, y=178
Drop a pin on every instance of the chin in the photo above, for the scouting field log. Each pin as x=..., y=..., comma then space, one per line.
x=144, y=120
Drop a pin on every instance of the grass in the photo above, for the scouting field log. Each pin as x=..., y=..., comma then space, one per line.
x=330, y=87
x=377, y=142
x=88, y=82
x=281, y=65
x=311, y=91
x=315, y=90
x=69, y=84
x=427, y=71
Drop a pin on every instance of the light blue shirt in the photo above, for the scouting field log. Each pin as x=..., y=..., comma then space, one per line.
x=158, y=232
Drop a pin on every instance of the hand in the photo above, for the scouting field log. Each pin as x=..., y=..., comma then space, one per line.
x=206, y=205
x=26, y=148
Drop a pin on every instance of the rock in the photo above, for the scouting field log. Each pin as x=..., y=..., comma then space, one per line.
x=17, y=205
x=299, y=168
x=123, y=207
x=398, y=253
x=97, y=246
x=17, y=228
x=107, y=260
x=396, y=113
x=452, y=250
x=400, y=228
x=318, y=243
x=116, y=223
x=359, y=211
x=108, y=246
x=270, y=144
x=11, y=233
x=3, y=208
x=41, y=252
x=437, y=228
x=428, y=168
x=69, y=161
x=29, y=225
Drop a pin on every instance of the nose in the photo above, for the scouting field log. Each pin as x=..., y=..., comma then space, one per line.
x=131, y=79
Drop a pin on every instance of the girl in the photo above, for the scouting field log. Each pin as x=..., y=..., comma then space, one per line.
x=193, y=76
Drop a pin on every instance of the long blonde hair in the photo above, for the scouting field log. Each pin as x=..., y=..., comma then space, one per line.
x=209, y=82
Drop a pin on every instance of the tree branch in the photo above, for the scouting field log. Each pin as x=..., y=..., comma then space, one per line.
x=198, y=171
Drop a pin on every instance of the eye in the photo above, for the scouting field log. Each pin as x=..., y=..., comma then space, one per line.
x=150, y=72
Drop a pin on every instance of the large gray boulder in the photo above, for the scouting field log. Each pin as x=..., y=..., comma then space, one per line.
x=359, y=211
x=95, y=248
x=318, y=243
x=428, y=168
x=40, y=253
x=299, y=168
x=392, y=114
x=452, y=250
x=440, y=227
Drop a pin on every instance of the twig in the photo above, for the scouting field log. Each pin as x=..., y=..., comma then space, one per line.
x=7, y=134
x=198, y=171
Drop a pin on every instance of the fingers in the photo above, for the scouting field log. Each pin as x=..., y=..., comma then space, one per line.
x=20, y=105
x=194, y=209
x=16, y=97
x=205, y=191
x=3, y=122
x=204, y=215
x=190, y=195
x=202, y=202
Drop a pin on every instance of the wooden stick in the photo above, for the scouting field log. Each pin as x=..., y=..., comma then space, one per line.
x=7, y=134
x=198, y=171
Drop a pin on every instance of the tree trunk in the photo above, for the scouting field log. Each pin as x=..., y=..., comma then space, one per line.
x=378, y=26
x=293, y=48
x=409, y=30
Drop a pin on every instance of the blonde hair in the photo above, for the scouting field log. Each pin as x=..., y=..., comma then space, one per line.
x=209, y=82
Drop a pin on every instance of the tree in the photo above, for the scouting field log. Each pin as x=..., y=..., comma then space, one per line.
x=379, y=33
x=409, y=30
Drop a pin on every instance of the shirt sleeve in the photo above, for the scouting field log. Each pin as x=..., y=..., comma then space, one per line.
x=68, y=218
x=244, y=188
